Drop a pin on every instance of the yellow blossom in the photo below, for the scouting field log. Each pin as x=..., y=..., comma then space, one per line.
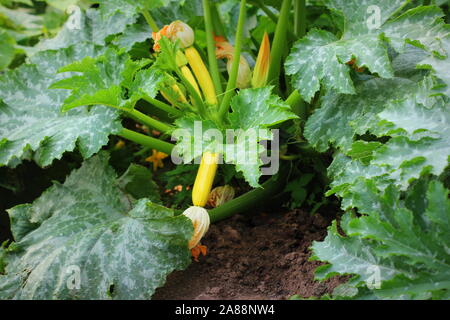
x=157, y=158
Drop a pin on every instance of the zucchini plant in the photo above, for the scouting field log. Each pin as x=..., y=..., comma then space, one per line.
x=357, y=91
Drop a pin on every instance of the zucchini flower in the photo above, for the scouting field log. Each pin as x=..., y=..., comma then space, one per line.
x=156, y=36
x=157, y=158
x=261, y=71
x=200, y=221
x=220, y=195
x=224, y=50
x=177, y=30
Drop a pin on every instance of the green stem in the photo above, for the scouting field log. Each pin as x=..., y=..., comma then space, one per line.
x=163, y=106
x=267, y=11
x=151, y=22
x=300, y=18
x=148, y=121
x=212, y=61
x=217, y=21
x=279, y=43
x=229, y=92
x=252, y=198
x=298, y=106
x=146, y=141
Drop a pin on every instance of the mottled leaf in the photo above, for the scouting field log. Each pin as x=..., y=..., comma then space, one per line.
x=31, y=118
x=91, y=241
x=321, y=58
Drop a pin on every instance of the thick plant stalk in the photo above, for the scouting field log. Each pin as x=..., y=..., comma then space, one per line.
x=205, y=179
x=202, y=75
x=231, y=85
x=151, y=22
x=149, y=121
x=164, y=107
x=251, y=199
x=300, y=18
x=298, y=106
x=213, y=67
x=279, y=43
x=146, y=141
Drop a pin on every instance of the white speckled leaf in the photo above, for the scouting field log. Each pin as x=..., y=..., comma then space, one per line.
x=320, y=58
x=31, y=118
x=341, y=117
x=420, y=144
x=86, y=239
x=441, y=65
x=135, y=33
x=92, y=26
x=409, y=258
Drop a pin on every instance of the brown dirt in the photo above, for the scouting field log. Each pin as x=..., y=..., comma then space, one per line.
x=260, y=257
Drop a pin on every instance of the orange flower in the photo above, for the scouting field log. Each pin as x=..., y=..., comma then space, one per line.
x=261, y=71
x=224, y=50
x=200, y=221
x=157, y=159
x=156, y=36
x=177, y=30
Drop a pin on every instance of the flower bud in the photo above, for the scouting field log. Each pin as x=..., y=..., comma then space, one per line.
x=179, y=30
x=224, y=50
x=262, y=65
x=200, y=220
x=244, y=73
x=220, y=195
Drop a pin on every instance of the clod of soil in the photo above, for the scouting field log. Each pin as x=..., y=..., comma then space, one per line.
x=260, y=257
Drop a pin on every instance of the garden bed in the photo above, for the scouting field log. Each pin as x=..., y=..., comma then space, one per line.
x=264, y=256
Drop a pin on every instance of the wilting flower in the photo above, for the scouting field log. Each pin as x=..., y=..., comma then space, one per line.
x=224, y=50
x=157, y=158
x=181, y=31
x=262, y=65
x=177, y=30
x=156, y=36
x=119, y=145
x=200, y=220
x=220, y=195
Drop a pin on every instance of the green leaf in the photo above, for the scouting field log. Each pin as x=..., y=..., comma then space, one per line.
x=88, y=228
x=426, y=146
x=441, y=64
x=91, y=26
x=341, y=117
x=388, y=232
x=135, y=33
x=137, y=181
x=31, y=117
x=7, y=50
x=254, y=109
x=347, y=255
x=104, y=78
x=363, y=150
x=320, y=57
x=253, y=112
x=109, y=7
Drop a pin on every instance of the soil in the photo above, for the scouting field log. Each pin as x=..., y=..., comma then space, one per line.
x=263, y=257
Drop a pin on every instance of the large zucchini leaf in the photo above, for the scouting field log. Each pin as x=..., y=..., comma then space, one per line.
x=90, y=239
